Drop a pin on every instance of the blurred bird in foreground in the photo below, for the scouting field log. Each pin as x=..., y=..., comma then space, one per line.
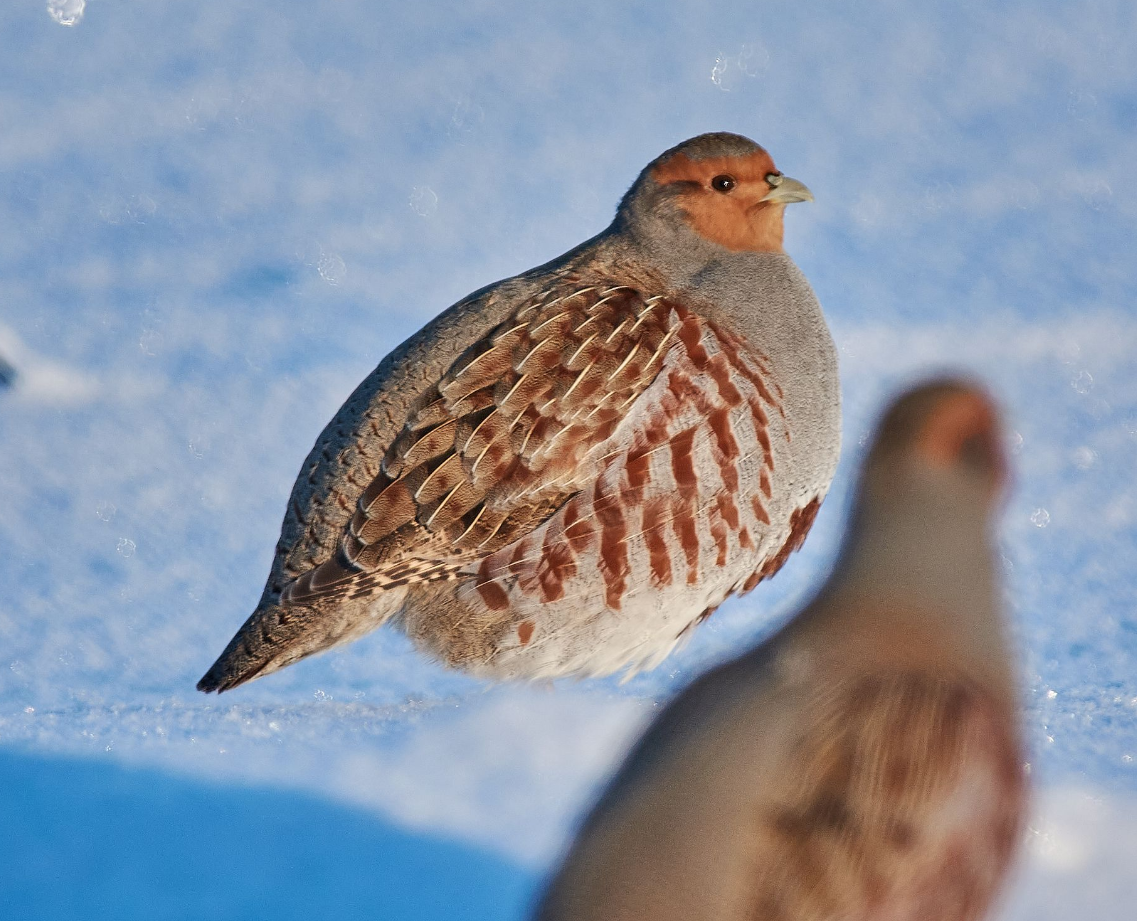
x=866, y=761
x=568, y=470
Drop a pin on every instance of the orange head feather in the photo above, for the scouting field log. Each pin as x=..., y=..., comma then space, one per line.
x=736, y=201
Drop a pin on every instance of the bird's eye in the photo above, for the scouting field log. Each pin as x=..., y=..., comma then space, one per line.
x=773, y=180
x=722, y=183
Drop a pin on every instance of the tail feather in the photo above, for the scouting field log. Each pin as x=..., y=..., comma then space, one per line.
x=276, y=635
x=272, y=637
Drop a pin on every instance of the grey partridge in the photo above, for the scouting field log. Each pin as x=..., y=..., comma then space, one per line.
x=863, y=763
x=564, y=472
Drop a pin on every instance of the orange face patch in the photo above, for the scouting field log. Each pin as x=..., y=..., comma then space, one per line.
x=738, y=220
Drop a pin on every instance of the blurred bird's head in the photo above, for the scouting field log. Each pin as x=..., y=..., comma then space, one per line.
x=944, y=439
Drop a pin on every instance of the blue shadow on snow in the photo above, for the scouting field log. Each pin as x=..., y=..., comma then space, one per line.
x=81, y=840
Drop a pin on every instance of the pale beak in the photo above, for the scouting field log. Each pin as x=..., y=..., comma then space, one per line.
x=788, y=191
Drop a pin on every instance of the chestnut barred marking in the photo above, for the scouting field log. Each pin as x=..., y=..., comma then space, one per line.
x=579, y=532
x=692, y=338
x=800, y=522
x=492, y=594
x=557, y=564
x=613, y=548
x=719, y=536
x=659, y=556
x=686, y=532
x=683, y=461
x=728, y=450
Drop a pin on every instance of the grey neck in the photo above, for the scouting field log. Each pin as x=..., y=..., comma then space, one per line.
x=931, y=556
x=662, y=238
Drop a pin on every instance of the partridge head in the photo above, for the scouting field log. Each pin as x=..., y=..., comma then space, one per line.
x=866, y=761
x=564, y=472
x=723, y=189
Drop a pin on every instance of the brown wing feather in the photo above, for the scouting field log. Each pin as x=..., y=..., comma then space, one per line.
x=514, y=428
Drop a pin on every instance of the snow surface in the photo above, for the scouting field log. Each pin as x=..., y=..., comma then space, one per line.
x=216, y=218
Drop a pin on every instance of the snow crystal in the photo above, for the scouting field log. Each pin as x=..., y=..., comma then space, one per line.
x=66, y=12
x=424, y=200
x=331, y=268
x=731, y=69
